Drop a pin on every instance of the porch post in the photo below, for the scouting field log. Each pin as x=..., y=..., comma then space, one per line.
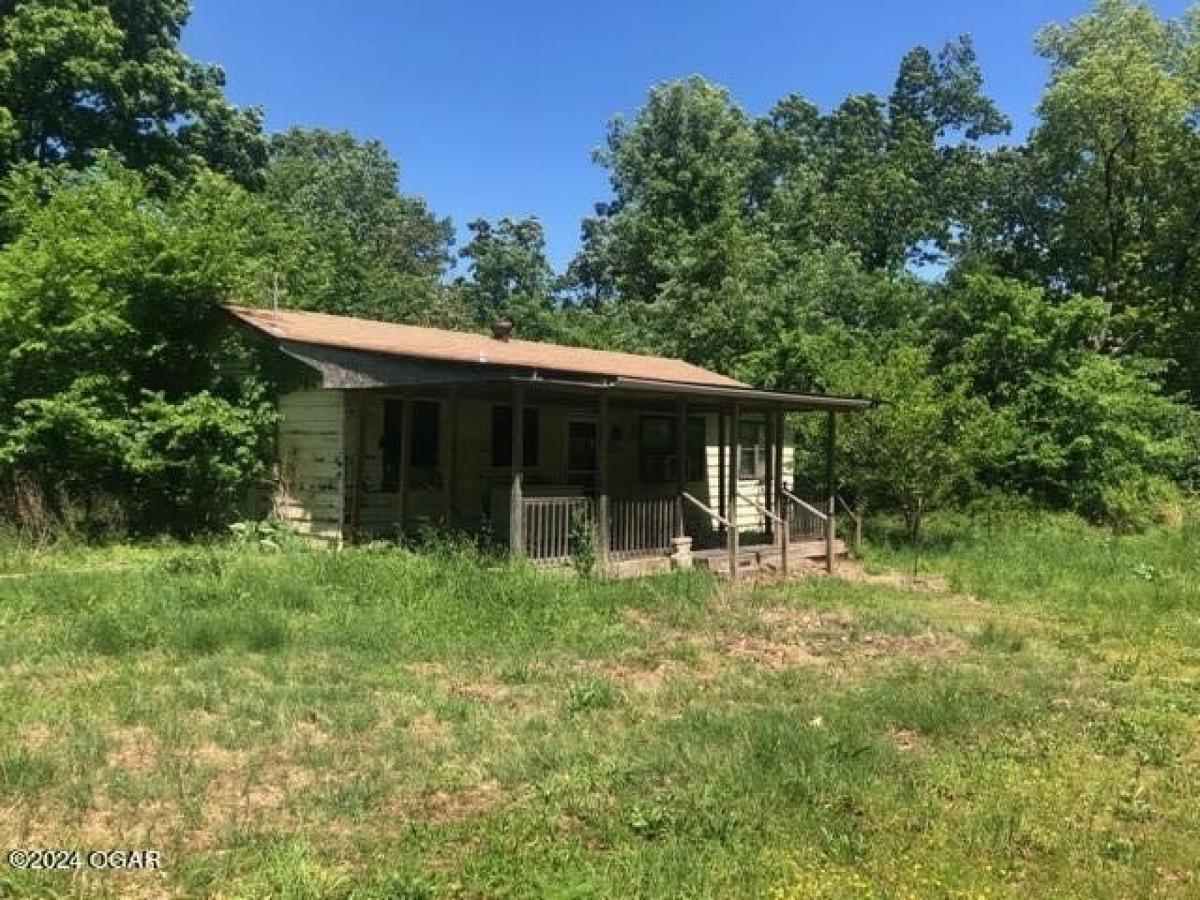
x=735, y=447
x=360, y=407
x=405, y=451
x=830, y=488
x=452, y=458
x=516, y=542
x=770, y=476
x=602, y=526
x=784, y=528
x=680, y=461
x=721, y=493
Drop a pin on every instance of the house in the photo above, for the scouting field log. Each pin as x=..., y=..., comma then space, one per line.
x=391, y=426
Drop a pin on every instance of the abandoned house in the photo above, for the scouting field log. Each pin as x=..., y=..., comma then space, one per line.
x=663, y=462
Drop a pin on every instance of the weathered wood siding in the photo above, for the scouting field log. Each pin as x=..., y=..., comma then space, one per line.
x=748, y=518
x=310, y=486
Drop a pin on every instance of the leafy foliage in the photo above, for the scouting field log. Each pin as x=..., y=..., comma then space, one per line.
x=108, y=383
x=78, y=78
x=354, y=244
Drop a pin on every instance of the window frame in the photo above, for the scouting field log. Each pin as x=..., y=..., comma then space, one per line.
x=756, y=446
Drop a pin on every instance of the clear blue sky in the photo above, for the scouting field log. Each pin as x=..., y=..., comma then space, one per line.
x=493, y=108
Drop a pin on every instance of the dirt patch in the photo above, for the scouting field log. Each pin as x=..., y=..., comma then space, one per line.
x=927, y=645
x=451, y=804
x=486, y=691
x=133, y=749
x=851, y=570
x=638, y=618
x=427, y=729
x=38, y=737
x=909, y=741
x=773, y=654
x=791, y=619
x=250, y=792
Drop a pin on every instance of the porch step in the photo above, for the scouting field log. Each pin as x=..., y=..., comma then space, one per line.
x=765, y=557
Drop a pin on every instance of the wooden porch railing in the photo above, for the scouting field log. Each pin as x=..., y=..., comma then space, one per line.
x=546, y=526
x=805, y=521
x=643, y=526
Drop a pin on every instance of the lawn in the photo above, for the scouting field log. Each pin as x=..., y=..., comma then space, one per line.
x=1020, y=722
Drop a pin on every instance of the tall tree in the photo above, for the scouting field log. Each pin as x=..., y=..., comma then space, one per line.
x=359, y=246
x=675, y=240
x=80, y=76
x=890, y=179
x=509, y=276
x=1104, y=199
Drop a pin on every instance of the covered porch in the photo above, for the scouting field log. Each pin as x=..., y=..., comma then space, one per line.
x=651, y=475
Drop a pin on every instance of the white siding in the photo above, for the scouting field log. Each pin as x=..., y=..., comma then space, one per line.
x=309, y=487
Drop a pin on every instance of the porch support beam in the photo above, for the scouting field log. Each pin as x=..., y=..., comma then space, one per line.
x=780, y=507
x=680, y=461
x=361, y=405
x=602, y=526
x=405, y=452
x=516, y=543
x=830, y=488
x=735, y=445
x=769, y=473
x=452, y=405
x=721, y=489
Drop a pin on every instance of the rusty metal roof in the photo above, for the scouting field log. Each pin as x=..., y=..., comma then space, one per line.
x=461, y=347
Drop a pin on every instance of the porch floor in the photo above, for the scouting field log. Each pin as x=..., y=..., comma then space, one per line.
x=752, y=559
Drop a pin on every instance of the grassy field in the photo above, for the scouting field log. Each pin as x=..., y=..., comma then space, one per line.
x=1021, y=722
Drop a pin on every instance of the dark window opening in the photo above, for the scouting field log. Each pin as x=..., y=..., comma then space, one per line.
x=656, y=449
x=424, y=441
x=502, y=437
x=426, y=430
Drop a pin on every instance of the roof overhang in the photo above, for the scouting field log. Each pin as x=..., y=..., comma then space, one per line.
x=343, y=369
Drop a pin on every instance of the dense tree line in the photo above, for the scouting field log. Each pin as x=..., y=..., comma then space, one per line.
x=1029, y=309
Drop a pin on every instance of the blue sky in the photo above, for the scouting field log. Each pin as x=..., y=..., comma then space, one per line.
x=493, y=108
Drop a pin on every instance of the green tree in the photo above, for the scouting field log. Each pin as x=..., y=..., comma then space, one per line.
x=509, y=276
x=81, y=76
x=675, y=241
x=1103, y=200
x=355, y=245
x=109, y=385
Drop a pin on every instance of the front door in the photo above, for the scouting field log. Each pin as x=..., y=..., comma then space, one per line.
x=581, y=453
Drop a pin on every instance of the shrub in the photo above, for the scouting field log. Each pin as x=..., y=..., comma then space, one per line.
x=1139, y=503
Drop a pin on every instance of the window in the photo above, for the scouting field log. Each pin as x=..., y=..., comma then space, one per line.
x=426, y=429
x=752, y=449
x=424, y=441
x=502, y=436
x=581, y=446
x=656, y=449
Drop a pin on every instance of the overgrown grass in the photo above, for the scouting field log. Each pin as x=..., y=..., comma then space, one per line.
x=381, y=723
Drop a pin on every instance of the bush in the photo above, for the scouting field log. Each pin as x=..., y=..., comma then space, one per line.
x=1138, y=504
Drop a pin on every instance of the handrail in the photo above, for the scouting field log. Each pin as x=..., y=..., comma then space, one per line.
x=808, y=506
x=704, y=509
x=846, y=507
x=762, y=509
